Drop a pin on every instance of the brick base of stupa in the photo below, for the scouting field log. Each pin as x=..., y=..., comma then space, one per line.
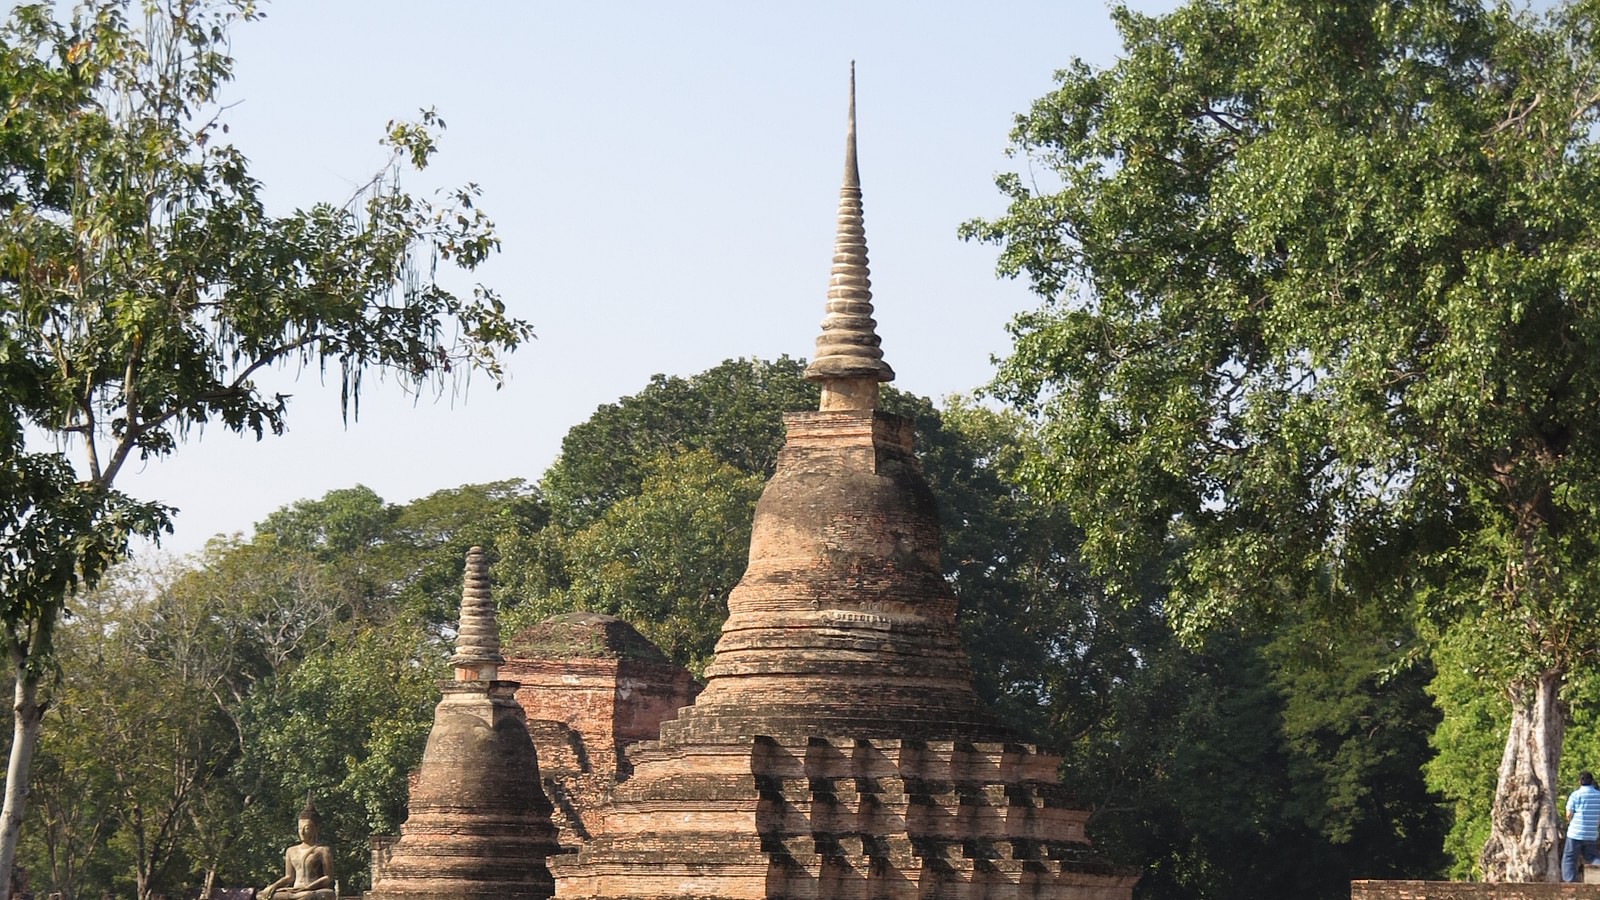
x=841, y=819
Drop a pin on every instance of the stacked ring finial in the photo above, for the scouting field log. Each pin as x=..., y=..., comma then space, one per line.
x=849, y=347
x=478, y=640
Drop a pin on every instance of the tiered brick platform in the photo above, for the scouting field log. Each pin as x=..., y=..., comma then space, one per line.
x=844, y=819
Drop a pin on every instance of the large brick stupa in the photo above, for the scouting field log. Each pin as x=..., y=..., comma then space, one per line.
x=838, y=750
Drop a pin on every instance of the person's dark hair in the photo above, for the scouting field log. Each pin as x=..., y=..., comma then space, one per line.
x=1585, y=778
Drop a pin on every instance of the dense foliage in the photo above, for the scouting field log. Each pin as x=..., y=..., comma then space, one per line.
x=1318, y=333
x=1311, y=388
x=202, y=701
x=144, y=286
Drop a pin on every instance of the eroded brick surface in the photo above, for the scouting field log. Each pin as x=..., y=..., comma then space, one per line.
x=843, y=623
x=603, y=680
x=591, y=685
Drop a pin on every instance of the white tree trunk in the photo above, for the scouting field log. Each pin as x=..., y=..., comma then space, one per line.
x=26, y=715
x=1525, y=833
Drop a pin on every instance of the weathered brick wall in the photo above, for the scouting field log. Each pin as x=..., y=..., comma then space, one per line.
x=606, y=703
x=648, y=694
x=579, y=693
x=1457, y=890
x=600, y=679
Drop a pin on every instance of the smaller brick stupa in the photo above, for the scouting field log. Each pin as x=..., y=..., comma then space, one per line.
x=479, y=824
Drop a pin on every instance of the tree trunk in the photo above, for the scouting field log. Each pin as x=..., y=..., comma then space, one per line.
x=26, y=715
x=1524, y=832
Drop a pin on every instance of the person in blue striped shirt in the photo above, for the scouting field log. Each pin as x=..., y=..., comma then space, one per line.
x=1583, y=827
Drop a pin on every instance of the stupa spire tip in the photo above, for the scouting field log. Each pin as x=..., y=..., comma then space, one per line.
x=852, y=172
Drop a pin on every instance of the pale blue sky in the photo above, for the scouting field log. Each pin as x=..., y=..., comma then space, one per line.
x=664, y=177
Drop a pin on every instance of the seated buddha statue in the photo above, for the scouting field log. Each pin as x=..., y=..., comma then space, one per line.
x=307, y=866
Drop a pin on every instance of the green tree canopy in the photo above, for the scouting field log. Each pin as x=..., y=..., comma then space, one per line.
x=1284, y=761
x=733, y=411
x=666, y=557
x=144, y=286
x=1319, y=320
x=200, y=700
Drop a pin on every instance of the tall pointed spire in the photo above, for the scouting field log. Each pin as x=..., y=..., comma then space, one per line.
x=477, y=656
x=852, y=171
x=848, y=361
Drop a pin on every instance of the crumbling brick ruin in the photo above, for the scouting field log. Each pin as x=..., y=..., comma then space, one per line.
x=596, y=685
